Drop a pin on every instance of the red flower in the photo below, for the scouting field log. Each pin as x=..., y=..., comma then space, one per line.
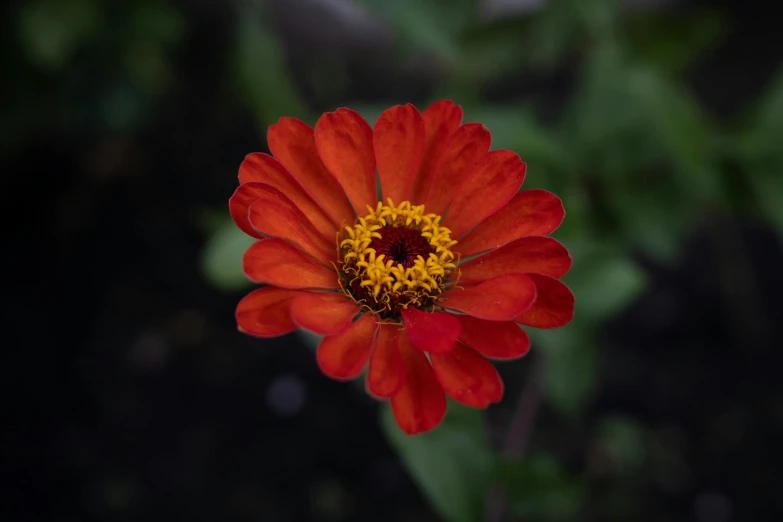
x=421, y=285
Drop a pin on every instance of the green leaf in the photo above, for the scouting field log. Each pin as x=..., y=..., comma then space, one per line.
x=761, y=154
x=430, y=27
x=656, y=229
x=261, y=74
x=552, y=35
x=600, y=114
x=371, y=111
x=452, y=464
x=598, y=16
x=761, y=139
x=683, y=131
x=570, y=369
x=514, y=128
x=629, y=122
x=768, y=189
x=603, y=281
x=492, y=54
x=221, y=259
x=671, y=42
x=538, y=488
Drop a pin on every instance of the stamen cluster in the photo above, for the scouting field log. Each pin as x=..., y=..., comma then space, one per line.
x=395, y=256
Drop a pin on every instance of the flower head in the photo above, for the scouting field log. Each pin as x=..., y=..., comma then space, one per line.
x=420, y=280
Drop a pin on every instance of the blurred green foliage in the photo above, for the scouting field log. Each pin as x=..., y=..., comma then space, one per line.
x=761, y=154
x=219, y=257
x=453, y=465
x=539, y=489
x=625, y=442
x=55, y=44
x=260, y=70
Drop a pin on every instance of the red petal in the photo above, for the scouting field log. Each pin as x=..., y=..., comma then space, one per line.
x=273, y=215
x=469, y=143
x=277, y=262
x=529, y=213
x=499, y=299
x=495, y=339
x=266, y=169
x=344, y=143
x=324, y=313
x=293, y=144
x=441, y=119
x=265, y=312
x=431, y=332
x=487, y=187
x=239, y=205
x=420, y=405
x=533, y=254
x=344, y=356
x=468, y=377
x=554, y=306
x=387, y=369
x=398, y=140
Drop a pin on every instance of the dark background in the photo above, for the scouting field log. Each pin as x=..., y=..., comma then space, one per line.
x=131, y=395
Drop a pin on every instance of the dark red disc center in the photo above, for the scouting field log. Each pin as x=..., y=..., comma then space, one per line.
x=402, y=245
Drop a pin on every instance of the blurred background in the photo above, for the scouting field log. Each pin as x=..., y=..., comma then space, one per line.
x=131, y=396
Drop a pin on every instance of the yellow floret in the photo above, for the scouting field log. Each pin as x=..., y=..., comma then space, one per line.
x=390, y=283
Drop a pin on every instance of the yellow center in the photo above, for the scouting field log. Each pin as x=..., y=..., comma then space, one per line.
x=384, y=268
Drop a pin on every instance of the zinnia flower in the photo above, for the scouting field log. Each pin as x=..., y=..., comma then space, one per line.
x=408, y=246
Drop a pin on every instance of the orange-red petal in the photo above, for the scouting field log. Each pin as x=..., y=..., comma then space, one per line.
x=292, y=143
x=398, y=140
x=554, y=306
x=499, y=299
x=533, y=254
x=468, y=143
x=434, y=332
x=468, y=377
x=344, y=142
x=274, y=215
x=265, y=312
x=494, y=339
x=239, y=206
x=277, y=262
x=441, y=119
x=324, y=313
x=345, y=355
x=266, y=169
x=420, y=405
x=489, y=184
x=529, y=213
x=387, y=369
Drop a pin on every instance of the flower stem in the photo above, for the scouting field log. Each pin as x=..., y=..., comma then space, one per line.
x=517, y=439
